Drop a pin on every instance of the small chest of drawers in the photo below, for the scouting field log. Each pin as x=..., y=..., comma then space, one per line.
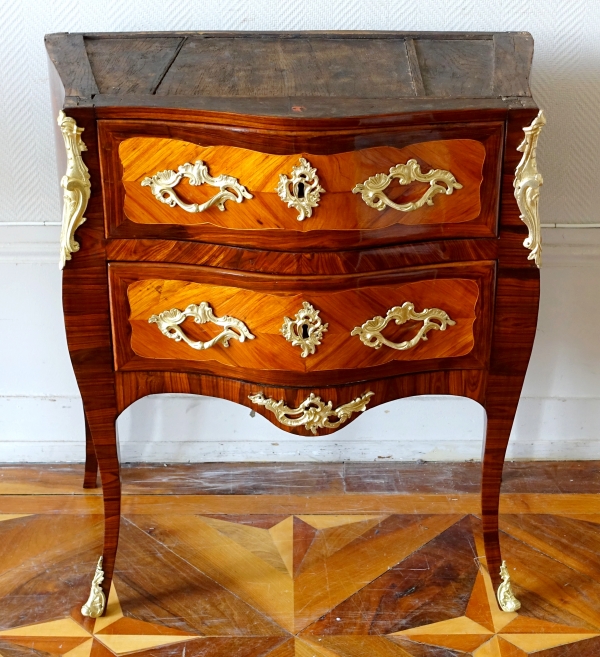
x=309, y=224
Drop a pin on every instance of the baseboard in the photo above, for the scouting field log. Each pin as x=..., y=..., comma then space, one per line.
x=571, y=247
x=29, y=253
x=180, y=429
x=29, y=244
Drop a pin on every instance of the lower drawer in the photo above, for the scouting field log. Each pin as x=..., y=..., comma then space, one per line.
x=173, y=317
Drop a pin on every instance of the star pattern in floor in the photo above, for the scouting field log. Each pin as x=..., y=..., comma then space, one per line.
x=305, y=585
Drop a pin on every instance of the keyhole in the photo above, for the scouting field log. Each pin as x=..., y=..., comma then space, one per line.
x=300, y=188
x=305, y=333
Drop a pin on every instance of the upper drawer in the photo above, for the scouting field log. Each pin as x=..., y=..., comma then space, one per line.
x=428, y=183
x=175, y=182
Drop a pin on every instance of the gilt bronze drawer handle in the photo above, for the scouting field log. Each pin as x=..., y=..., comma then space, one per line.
x=306, y=330
x=312, y=412
x=161, y=185
x=76, y=187
x=528, y=181
x=372, y=190
x=432, y=318
x=169, y=320
x=302, y=191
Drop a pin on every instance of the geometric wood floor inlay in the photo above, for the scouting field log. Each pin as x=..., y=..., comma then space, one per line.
x=298, y=584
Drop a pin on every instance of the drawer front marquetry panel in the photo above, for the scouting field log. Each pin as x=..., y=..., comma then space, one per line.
x=169, y=181
x=306, y=331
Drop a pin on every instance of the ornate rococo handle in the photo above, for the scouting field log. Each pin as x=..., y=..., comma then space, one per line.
x=169, y=320
x=373, y=189
x=528, y=181
x=313, y=413
x=432, y=318
x=161, y=185
x=76, y=187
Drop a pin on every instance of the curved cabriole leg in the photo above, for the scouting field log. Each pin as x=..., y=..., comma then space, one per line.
x=105, y=443
x=87, y=323
x=513, y=332
x=108, y=461
x=501, y=407
x=90, y=477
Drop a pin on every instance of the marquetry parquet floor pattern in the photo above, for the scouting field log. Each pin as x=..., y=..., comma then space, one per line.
x=305, y=584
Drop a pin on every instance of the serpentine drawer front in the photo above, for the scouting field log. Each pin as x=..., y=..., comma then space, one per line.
x=440, y=187
x=432, y=182
x=431, y=313
x=307, y=224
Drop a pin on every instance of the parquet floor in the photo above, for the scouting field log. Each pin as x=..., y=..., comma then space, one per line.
x=300, y=561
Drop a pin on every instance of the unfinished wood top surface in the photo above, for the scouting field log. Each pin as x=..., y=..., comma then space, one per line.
x=245, y=72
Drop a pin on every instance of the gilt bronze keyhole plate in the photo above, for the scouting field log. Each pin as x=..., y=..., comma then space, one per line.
x=302, y=191
x=306, y=330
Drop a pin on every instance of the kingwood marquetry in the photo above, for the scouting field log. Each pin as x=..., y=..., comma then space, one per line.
x=408, y=116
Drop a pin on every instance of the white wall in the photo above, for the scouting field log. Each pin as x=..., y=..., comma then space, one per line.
x=41, y=417
x=40, y=411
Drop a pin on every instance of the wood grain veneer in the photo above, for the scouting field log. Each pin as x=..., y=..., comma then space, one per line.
x=339, y=208
x=344, y=303
x=341, y=311
x=264, y=221
x=143, y=95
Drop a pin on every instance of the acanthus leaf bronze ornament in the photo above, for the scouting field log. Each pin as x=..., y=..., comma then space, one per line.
x=162, y=183
x=528, y=181
x=306, y=330
x=432, y=318
x=505, y=595
x=96, y=603
x=169, y=322
x=313, y=413
x=76, y=187
x=302, y=191
x=373, y=189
